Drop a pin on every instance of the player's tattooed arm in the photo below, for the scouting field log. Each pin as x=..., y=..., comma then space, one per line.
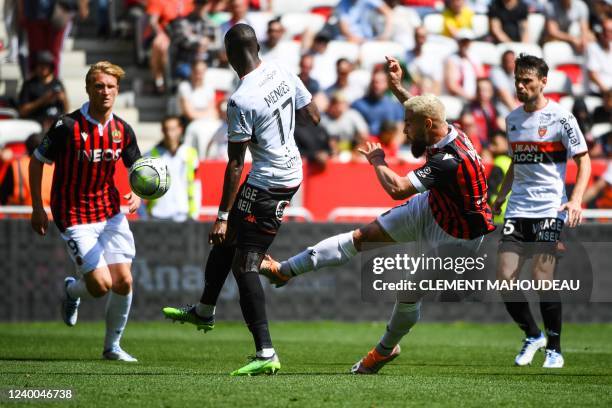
x=397, y=187
x=309, y=113
x=233, y=171
x=394, y=76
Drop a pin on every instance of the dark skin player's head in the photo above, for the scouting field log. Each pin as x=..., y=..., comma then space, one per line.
x=242, y=49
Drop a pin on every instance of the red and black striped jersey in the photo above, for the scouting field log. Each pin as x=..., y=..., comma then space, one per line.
x=85, y=152
x=455, y=178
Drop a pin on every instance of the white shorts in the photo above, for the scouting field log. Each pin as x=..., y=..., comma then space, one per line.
x=413, y=222
x=96, y=245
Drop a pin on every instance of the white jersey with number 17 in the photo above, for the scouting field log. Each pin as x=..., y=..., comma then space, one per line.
x=262, y=111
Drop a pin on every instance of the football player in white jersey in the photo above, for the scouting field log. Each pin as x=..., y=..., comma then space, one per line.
x=262, y=115
x=542, y=136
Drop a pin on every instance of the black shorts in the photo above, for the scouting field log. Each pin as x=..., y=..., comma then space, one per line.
x=257, y=215
x=528, y=236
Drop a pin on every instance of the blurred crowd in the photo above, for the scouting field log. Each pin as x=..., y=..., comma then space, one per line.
x=462, y=50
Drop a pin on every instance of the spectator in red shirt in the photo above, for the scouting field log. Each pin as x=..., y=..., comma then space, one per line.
x=161, y=13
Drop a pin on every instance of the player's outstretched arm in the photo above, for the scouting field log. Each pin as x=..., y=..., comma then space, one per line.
x=397, y=187
x=233, y=171
x=394, y=76
x=574, y=205
x=309, y=113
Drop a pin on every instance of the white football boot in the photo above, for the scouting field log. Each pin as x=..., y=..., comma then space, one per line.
x=70, y=306
x=530, y=346
x=553, y=359
x=117, y=354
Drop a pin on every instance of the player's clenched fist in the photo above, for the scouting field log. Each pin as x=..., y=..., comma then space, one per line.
x=394, y=70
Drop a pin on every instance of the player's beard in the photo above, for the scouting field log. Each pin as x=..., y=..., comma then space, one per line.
x=418, y=149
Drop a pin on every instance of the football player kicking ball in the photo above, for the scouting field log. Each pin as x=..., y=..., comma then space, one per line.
x=261, y=114
x=450, y=208
x=85, y=146
x=542, y=135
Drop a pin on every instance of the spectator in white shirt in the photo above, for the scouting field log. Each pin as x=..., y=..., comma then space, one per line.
x=599, y=60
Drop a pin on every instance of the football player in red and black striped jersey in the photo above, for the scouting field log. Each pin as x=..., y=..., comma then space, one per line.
x=450, y=207
x=85, y=146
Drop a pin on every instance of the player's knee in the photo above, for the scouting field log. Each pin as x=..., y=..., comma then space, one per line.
x=99, y=287
x=123, y=285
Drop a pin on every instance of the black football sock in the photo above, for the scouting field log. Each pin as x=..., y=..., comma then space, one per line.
x=552, y=316
x=253, y=305
x=218, y=266
x=521, y=314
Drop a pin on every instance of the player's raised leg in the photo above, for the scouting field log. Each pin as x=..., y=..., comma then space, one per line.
x=332, y=251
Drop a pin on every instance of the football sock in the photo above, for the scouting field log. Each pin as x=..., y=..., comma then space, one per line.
x=521, y=314
x=265, y=353
x=218, y=266
x=117, y=311
x=404, y=316
x=253, y=306
x=203, y=310
x=78, y=289
x=552, y=316
x=332, y=251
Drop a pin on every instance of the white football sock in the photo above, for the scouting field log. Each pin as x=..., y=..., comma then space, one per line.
x=265, y=353
x=204, y=310
x=78, y=289
x=404, y=316
x=117, y=311
x=332, y=251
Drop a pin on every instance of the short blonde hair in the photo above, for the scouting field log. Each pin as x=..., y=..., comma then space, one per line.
x=105, y=67
x=426, y=106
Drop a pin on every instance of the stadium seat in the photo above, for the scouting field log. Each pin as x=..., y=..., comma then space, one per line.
x=343, y=49
x=405, y=20
x=601, y=129
x=288, y=52
x=518, y=48
x=567, y=102
x=222, y=78
x=592, y=102
x=558, y=85
x=480, y=25
x=485, y=52
x=296, y=23
x=560, y=55
x=259, y=21
x=440, y=45
x=17, y=130
x=434, y=23
x=535, y=26
x=373, y=52
x=360, y=78
x=453, y=106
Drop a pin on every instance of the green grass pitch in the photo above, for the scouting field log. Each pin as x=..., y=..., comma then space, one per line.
x=455, y=364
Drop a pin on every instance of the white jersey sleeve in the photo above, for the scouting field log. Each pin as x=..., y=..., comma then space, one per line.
x=239, y=122
x=302, y=95
x=571, y=136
